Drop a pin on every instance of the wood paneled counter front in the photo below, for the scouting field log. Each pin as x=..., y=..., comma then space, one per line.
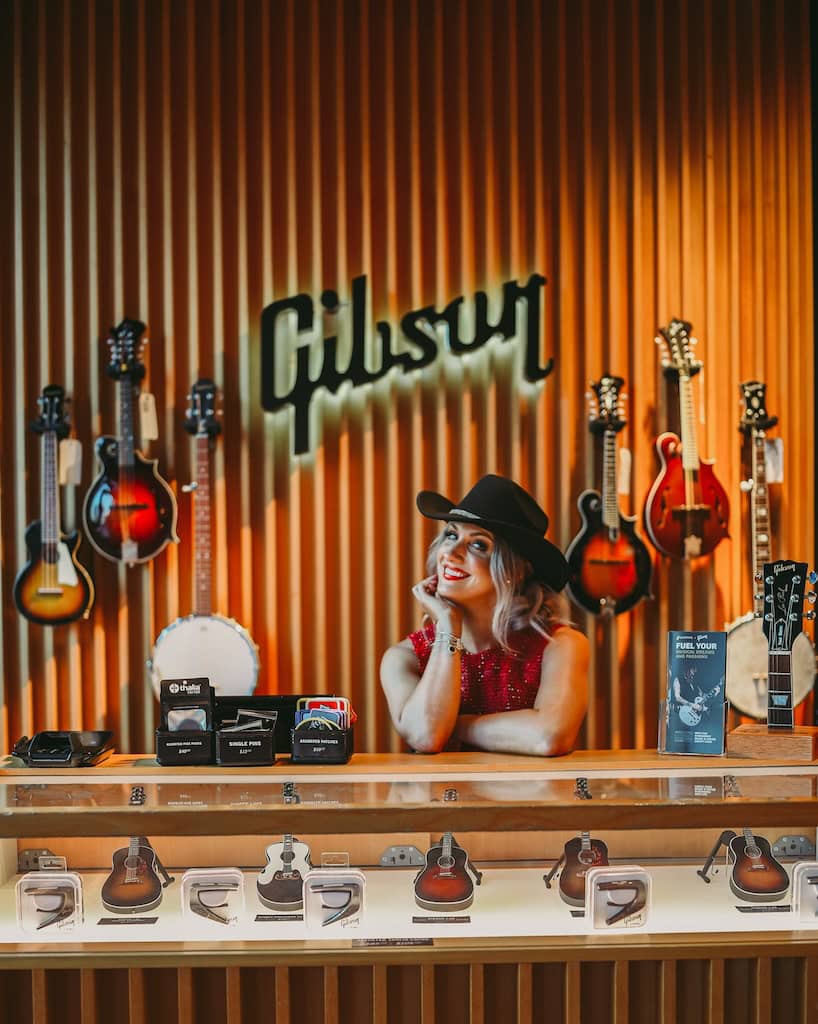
x=517, y=946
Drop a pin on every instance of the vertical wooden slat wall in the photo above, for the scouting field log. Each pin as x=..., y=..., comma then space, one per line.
x=614, y=991
x=190, y=163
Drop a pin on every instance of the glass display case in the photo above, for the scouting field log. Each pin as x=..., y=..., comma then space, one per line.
x=407, y=851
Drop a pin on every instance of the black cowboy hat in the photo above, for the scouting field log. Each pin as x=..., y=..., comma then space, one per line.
x=503, y=507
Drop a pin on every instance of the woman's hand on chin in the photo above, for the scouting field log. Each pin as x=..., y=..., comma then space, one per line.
x=442, y=612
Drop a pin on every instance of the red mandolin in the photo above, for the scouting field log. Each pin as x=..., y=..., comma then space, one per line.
x=129, y=510
x=687, y=510
x=608, y=564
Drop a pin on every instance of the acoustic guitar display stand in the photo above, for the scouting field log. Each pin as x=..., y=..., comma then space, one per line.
x=723, y=840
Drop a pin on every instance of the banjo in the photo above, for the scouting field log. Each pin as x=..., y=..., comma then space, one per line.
x=747, y=645
x=204, y=644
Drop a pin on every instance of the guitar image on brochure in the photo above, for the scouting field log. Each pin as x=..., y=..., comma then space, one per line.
x=280, y=884
x=687, y=510
x=52, y=588
x=445, y=883
x=129, y=511
x=609, y=566
x=133, y=886
x=204, y=643
x=579, y=855
x=747, y=647
x=689, y=701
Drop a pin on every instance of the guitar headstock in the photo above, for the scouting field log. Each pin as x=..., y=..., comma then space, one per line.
x=201, y=418
x=755, y=415
x=606, y=404
x=126, y=342
x=784, y=587
x=679, y=343
x=53, y=414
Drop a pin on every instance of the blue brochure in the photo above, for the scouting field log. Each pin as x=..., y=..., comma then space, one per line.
x=695, y=702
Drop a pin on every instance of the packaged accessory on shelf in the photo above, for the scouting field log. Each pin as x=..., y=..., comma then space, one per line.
x=249, y=739
x=49, y=900
x=323, y=730
x=214, y=894
x=617, y=897
x=333, y=897
x=185, y=733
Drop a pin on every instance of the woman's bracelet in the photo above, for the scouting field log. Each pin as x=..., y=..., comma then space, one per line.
x=454, y=643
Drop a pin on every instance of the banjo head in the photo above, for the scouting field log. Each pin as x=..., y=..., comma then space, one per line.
x=212, y=646
x=747, y=650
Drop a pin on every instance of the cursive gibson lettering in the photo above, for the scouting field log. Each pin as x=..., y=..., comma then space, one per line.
x=423, y=348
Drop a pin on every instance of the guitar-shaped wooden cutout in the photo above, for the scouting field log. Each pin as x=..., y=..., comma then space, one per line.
x=686, y=510
x=579, y=855
x=280, y=884
x=608, y=565
x=747, y=648
x=133, y=887
x=445, y=882
x=755, y=874
x=129, y=510
x=204, y=643
x=52, y=588
x=784, y=586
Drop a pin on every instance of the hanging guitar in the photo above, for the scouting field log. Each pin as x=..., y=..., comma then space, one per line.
x=580, y=855
x=129, y=511
x=52, y=588
x=608, y=565
x=280, y=884
x=445, y=883
x=133, y=886
x=747, y=648
x=687, y=510
x=755, y=874
x=784, y=586
x=205, y=644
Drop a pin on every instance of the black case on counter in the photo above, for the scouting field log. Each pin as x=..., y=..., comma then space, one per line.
x=319, y=746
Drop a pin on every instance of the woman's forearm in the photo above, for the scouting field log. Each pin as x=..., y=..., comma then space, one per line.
x=429, y=716
x=514, y=732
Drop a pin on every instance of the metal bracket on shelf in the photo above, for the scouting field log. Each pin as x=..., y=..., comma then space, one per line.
x=29, y=860
x=402, y=857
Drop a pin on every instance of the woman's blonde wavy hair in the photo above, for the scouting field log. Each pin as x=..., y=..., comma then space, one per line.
x=522, y=601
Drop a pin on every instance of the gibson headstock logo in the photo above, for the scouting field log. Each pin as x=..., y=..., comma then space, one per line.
x=783, y=567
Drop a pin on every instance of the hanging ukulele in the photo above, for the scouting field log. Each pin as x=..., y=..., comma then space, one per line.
x=687, y=509
x=608, y=565
x=52, y=588
x=205, y=644
x=129, y=510
x=784, y=585
x=747, y=648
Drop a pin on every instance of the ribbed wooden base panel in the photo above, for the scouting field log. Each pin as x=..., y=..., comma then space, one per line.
x=765, y=990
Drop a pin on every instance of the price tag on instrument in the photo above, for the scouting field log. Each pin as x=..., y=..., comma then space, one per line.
x=148, y=424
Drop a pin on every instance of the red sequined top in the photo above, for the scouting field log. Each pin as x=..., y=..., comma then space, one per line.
x=493, y=680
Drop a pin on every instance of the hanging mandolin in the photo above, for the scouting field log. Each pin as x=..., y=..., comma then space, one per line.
x=52, y=588
x=129, y=510
x=608, y=564
x=687, y=510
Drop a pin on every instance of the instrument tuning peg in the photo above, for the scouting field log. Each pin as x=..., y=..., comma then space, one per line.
x=812, y=576
x=759, y=576
x=187, y=488
x=810, y=615
x=758, y=597
x=812, y=596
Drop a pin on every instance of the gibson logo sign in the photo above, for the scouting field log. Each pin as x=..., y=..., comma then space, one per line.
x=423, y=346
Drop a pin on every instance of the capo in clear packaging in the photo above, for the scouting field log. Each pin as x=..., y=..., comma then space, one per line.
x=805, y=892
x=212, y=894
x=49, y=901
x=618, y=897
x=333, y=898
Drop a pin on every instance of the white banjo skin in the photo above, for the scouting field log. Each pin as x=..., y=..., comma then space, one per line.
x=206, y=645
x=747, y=651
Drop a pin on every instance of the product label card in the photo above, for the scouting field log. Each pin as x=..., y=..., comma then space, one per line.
x=696, y=673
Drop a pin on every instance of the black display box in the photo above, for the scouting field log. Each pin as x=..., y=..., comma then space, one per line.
x=318, y=746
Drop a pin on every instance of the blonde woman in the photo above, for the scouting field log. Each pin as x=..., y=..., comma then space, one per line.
x=495, y=667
